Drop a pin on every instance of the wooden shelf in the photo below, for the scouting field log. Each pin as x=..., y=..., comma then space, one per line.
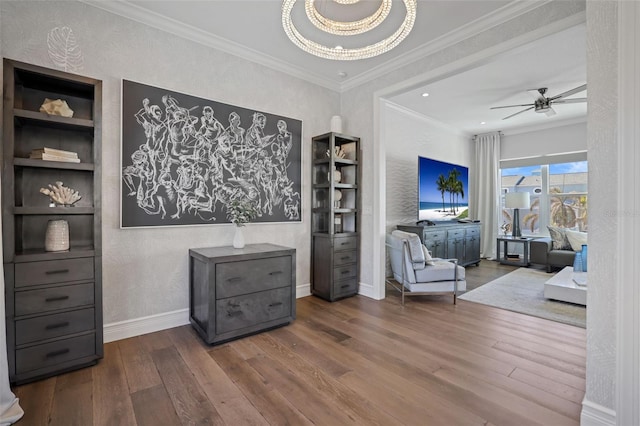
x=35, y=255
x=58, y=210
x=40, y=118
x=32, y=162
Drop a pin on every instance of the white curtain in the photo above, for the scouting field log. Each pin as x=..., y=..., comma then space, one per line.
x=10, y=411
x=485, y=205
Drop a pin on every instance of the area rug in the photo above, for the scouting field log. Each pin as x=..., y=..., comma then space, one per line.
x=523, y=291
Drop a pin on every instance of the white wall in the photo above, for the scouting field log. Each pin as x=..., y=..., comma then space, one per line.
x=414, y=135
x=561, y=139
x=145, y=270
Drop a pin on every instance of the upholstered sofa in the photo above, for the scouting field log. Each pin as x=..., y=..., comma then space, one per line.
x=541, y=252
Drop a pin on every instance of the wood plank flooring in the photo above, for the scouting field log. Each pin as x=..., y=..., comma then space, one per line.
x=356, y=361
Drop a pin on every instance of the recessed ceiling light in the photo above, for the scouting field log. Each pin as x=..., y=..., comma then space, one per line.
x=342, y=74
x=425, y=94
x=483, y=122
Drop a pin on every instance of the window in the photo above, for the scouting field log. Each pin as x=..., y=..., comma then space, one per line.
x=558, y=194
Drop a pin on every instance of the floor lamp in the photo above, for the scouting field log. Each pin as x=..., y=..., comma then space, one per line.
x=516, y=201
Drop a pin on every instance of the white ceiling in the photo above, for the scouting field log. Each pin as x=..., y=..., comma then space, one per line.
x=557, y=62
x=252, y=29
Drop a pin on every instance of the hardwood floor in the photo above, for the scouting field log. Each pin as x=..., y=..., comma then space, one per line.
x=355, y=361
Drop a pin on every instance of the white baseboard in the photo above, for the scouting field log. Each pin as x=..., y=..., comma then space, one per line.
x=138, y=326
x=366, y=290
x=596, y=415
x=303, y=290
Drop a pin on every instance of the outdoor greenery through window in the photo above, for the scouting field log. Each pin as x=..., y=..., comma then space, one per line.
x=558, y=195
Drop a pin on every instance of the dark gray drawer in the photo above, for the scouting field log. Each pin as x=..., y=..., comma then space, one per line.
x=345, y=287
x=345, y=257
x=54, y=271
x=250, y=276
x=53, y=353
x=240, y=312
x=53, y=298
x=343, y=272
x=455, y=233
x=55, y=325
x=435, y=235
x=473, y=231
x=345, y=243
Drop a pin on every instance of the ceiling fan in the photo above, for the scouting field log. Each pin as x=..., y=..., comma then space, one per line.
x=543, y=104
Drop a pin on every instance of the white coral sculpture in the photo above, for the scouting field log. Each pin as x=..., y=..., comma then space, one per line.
x=61, y=195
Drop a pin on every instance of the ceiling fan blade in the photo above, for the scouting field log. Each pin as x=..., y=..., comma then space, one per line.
x=538, y=94
x=519, y=112
x=569, y=101
x=569, y=92
x=511, y=106
x=550, y=112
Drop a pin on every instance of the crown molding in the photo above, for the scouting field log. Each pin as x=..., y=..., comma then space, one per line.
x=170, y=25
x=484, y=23
x=426, y=119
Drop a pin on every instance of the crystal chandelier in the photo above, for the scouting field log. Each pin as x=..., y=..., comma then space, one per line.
x=346, y=29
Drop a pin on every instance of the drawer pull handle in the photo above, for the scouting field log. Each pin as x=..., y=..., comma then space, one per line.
x=232, y=279
x=57, y=271
x=344, y=286
x=275, y=272
x=234, y=305
x=57, y=353
x=345, y=258
x=57, y=325
x=273, y=305
x=56, y=298
x=344, y=243
x=345, y=272
x=234, y=313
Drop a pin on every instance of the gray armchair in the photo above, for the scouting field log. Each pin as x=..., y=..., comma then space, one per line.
x=419, y=274
x=541, y=252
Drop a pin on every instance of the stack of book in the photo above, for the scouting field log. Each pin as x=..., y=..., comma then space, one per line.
x=52, y=154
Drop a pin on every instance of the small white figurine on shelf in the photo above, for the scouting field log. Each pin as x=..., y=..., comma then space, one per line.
x=61, y=195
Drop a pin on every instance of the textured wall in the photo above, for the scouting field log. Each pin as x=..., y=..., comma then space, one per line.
x=358, y=103
x=602, y=60
x=145, y=270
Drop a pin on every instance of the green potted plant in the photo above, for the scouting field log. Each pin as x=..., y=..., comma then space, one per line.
x=240, y=213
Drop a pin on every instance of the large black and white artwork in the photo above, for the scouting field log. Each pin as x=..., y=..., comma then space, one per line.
x=184, y=159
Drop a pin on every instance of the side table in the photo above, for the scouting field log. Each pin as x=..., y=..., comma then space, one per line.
x=503, y=250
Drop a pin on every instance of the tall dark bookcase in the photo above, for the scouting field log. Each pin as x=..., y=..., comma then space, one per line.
x=335, y=217
x=53, y=298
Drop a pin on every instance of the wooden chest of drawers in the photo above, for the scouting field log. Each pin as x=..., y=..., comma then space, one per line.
x=237, y=292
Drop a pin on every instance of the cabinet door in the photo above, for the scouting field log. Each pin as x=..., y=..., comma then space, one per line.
x=455, y=249
x=435, y=242
x=472, y=249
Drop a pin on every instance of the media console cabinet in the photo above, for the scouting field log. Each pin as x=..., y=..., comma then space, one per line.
x=449, y=240
x=238, y=292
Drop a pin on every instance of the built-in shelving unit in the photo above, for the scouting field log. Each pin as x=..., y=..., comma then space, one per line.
x=53, y=299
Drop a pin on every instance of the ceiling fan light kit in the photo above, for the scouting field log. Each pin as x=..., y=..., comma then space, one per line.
x=542, y=104
x=347, y=28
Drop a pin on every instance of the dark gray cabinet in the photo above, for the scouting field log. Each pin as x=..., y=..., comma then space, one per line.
x=53, y=299
x=335, y=218
x=449, y=240
x=237, y=292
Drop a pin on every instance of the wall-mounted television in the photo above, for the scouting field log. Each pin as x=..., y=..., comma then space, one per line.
x=443, y=190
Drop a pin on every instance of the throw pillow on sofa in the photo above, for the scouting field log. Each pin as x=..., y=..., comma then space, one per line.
x=576, y=239
x=559, y=238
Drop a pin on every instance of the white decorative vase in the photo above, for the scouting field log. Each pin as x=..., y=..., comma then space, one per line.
x=336, y=124
x=57, y=236
x=238, y=238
